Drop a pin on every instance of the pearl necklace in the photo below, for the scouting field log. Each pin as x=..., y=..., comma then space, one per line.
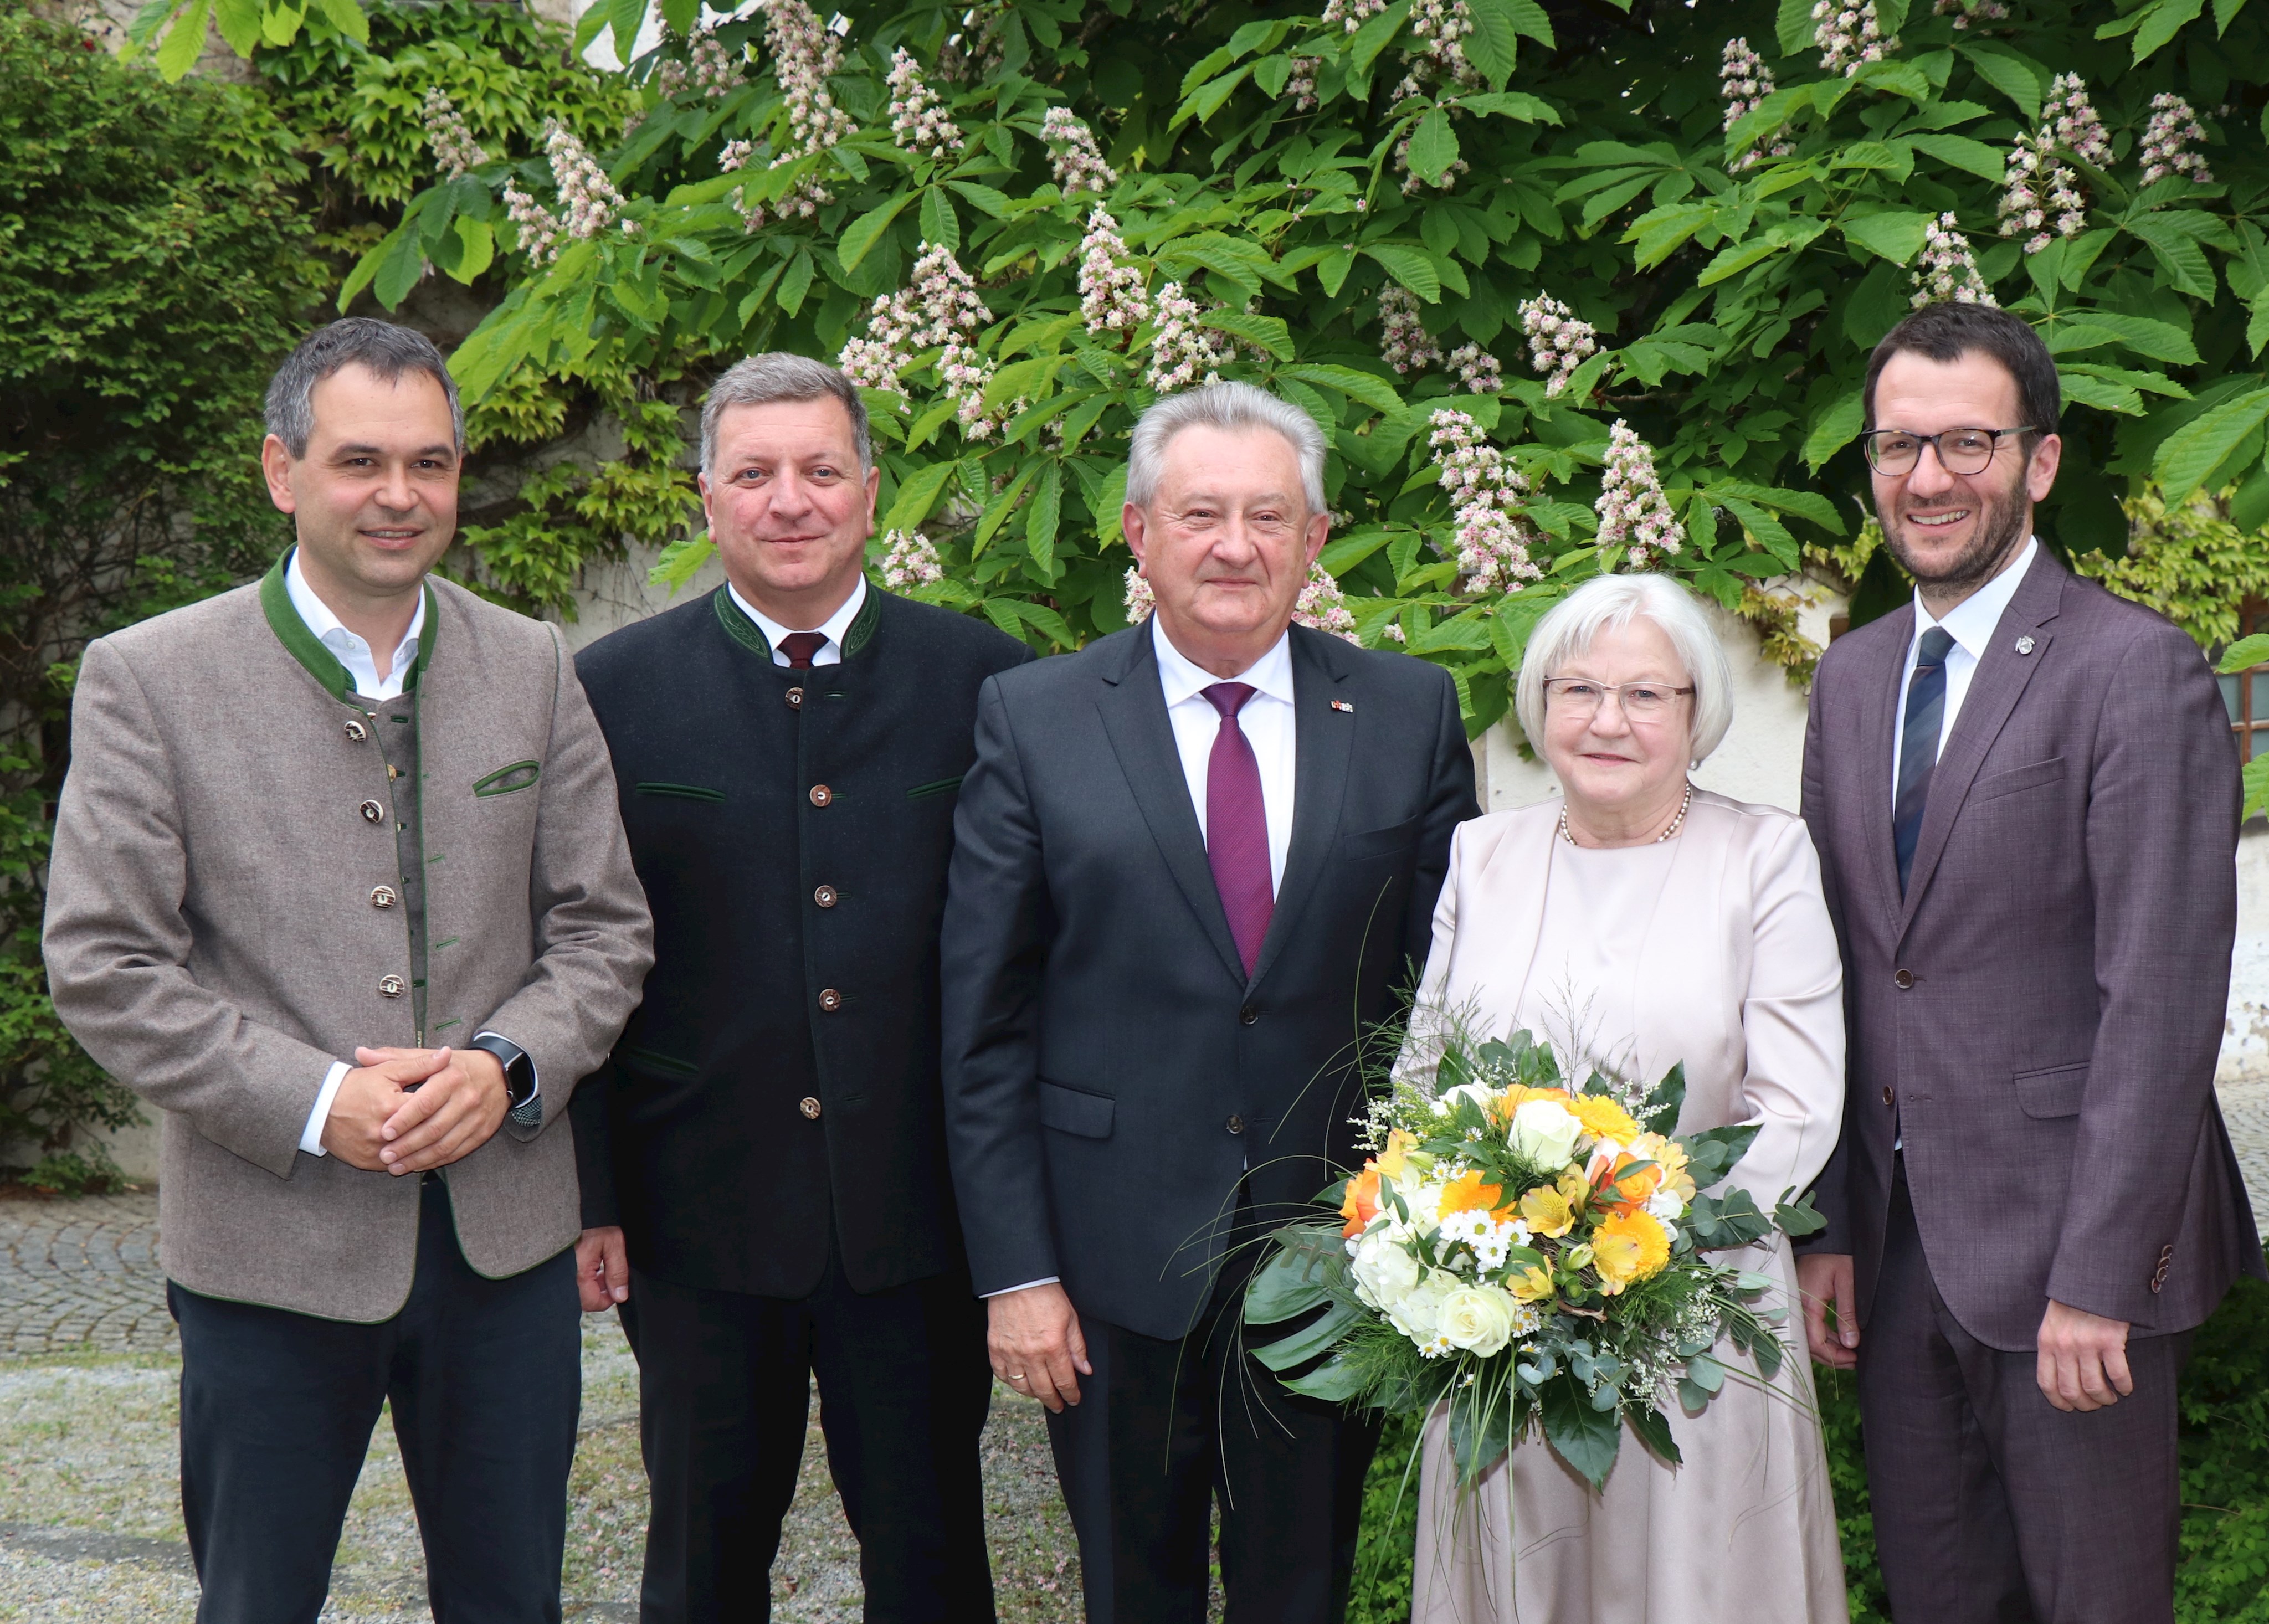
x=1674, y=823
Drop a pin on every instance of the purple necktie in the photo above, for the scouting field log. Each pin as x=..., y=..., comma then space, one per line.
x=1237, y=826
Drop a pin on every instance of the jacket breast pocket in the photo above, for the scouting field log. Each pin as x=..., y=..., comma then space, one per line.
x=1069, y=1110
x=2056, y=1091
x=1385, y=842
x=2033, y=775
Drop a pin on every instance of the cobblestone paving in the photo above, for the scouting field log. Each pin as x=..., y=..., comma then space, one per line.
x=83, y=1275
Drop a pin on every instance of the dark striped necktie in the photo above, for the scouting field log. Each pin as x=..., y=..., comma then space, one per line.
x=1918, y=745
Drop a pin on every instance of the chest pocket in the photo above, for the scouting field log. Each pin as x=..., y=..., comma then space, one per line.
x=2016, y=780
x=506, y=780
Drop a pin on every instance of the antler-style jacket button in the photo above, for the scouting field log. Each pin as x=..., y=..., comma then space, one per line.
x=392, y=987
x=371, y=812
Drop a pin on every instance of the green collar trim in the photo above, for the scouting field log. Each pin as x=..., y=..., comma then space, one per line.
x=751, y=636
x=300, y=642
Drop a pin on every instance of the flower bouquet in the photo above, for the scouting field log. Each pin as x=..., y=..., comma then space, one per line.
x=1531, y=1252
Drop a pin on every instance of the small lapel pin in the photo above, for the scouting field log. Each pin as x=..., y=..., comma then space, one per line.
x=2025, y=646
x=1342, y=704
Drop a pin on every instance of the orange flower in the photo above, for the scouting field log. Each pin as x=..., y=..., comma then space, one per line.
x=1631, y=1245
x=1633, y=1191
x=1603, y=1119
x=1466, y=1193
x=1362, y=1203
x=1520, y=1094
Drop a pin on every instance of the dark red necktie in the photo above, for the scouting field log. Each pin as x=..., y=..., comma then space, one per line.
x=1237, y=826
x=800, y=646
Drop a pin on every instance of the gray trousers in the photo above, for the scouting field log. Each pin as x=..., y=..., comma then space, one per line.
x=1991, y=1505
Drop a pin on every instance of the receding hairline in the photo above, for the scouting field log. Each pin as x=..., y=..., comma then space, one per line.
x=393, y=381
x=1298, y=493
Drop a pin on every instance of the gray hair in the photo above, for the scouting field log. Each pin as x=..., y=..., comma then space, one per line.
x=1232, y=407
x=1610, y=602
x=358, y=341
x=777, y=375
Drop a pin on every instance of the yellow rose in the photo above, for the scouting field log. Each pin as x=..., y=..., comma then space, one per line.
x=1629, y=1247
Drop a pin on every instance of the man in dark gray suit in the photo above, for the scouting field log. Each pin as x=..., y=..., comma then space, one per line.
x=2024, y=793
x=1193, y=864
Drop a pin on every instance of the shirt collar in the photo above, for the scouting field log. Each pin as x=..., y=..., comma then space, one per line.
x=1970, y=623
x=1183, y=679
x=332, y=631
x=832, y=628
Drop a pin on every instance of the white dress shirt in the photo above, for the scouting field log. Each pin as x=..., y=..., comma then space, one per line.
x=1970, y=624
x=1266, y=722
x=354, y=653
x=828, y=654
x=350, y=650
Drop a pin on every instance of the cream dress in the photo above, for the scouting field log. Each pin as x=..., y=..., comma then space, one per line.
x=1713, y=948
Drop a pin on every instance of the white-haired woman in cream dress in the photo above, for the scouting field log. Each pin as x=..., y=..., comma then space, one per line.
x=1640, y=922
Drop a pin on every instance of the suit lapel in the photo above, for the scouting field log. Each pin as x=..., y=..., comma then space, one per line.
x=1878, y=731
x=1995, y=687
x=1134, y=711
x=1323, y=742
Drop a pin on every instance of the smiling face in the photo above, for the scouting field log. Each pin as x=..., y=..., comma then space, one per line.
x=374, y=499
x=788, y=508
x=1612, y=772
x=1226, y=543
x=1956, y=532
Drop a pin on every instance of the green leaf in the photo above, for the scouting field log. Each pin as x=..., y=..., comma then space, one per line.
x=1530, y=19
x=1372, y=37
x=1268, y=333
x=1898, y=79
x=2177, y=252
x=1512, y=104
x=1961, y=152
x=1494, y=45
x=2225, y=12
x=1311, y=1340
x=992, y=203
x=1792, y=26
x=2154, y=25
x=476, y=248
x=2196, y=449
x=1585, y=1438
x=2016, y=75
x=1741, y=255
x=1294, y=1277
x=2103, y=394
x=938, y=223
x=1337, y=1380
x=399, y=265
x=680, y=561
x=997, y=512
x=348, y=19
x=1836, y=426
x=864, y=233
x=2091, y=329
x=239, y=22
x=918, y=493
x=1413, y=268
x=1897, y=237
x=1331, y=271
x=1109, y=506
x=1370, y=390
x=794, y=283
x=1433, y=146
x=1046, y=513
x=185, y=41
x=2256, y=779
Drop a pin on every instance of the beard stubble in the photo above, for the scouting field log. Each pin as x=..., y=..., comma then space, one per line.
x=2000, y=530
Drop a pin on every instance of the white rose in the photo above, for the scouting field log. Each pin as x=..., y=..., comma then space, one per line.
x=1544, y=1134
x=1415, y=1316
x=1477, y=1318
x=1384, y=1272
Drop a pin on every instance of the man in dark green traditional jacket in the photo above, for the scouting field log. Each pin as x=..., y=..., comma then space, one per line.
x=339, y=888
x=769, y=1140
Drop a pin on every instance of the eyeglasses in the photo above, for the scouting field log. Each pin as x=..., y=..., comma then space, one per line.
x=1960, y=451
x=1580, y=698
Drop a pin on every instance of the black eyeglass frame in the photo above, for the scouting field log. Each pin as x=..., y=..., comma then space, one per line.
x=1868, y=449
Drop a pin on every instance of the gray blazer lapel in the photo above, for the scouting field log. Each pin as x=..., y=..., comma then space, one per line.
x=1134, y=711
x=1998, y=682
x=1878, y=730
x=1324, y=743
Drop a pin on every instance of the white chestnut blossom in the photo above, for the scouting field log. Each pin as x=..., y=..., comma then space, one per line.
x=537, y=226
x=586, y=196
x=1322, y=606
x=1634, y=513
x=1967, y=11
x=1744, y=81
x=804, y=52
x=1946, y=270
x=1184, y=352
x=918, y=120
x=1404, y=343
x=2166, y=141
x=1558, y=343
x=1139, y=600
x=1438, y=29
x=2037, y=183
x=1074, y=155
x=938, y=309
x=1493, y=539
x=1110, y=295
x=1849, y=35
x=1352, y=14
x=1478, y=370
x=455, y=149
x=1301, y=87
x=909, y=560
x=715, y=69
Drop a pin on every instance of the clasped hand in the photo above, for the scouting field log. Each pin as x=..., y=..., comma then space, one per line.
x=405, y=1110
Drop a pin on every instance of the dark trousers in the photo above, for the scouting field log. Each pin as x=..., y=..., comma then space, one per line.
x=1164, y=1428
x=724, y=1380
x=1991, y=1505
x=485, y=1379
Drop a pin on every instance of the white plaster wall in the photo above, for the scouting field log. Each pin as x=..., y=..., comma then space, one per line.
x=2246, y=1034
